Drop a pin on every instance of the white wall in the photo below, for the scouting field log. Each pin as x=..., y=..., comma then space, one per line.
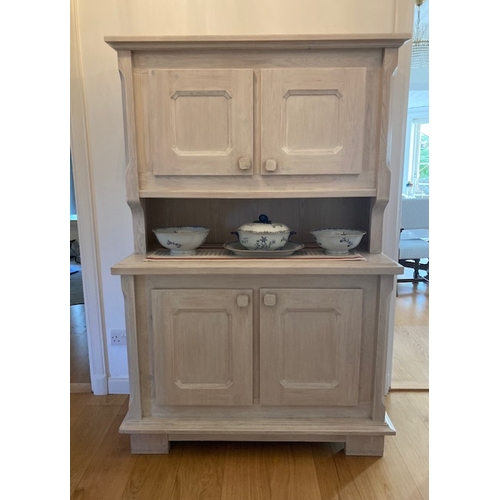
x=98, y=143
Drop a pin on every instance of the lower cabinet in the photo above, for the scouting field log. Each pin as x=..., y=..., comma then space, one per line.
x=309, y=346
x=209, y=360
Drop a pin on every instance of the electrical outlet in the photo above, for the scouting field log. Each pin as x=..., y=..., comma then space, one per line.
x=118, y=337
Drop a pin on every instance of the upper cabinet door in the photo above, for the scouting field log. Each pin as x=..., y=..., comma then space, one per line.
x=201, y=121
x=313, y=121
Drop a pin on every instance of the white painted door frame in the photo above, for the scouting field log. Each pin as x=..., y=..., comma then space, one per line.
x=84, y=194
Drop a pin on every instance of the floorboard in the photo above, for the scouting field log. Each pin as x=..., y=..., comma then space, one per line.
x=410, y=370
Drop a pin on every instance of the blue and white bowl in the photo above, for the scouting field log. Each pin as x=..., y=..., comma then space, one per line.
x=337, y=241
x=182, y=240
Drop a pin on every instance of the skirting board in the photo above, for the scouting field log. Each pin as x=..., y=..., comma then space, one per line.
x=118, y=385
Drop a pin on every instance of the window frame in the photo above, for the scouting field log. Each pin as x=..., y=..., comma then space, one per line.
x=416, y=117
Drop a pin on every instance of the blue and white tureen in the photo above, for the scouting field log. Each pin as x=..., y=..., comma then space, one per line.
x=263, y=234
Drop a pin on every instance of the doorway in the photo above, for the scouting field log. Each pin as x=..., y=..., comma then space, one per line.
x=79, y=353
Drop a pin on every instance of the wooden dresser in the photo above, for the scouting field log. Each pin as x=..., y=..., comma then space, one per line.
x=218, y=131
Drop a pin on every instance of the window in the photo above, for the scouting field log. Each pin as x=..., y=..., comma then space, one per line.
x=416, y=170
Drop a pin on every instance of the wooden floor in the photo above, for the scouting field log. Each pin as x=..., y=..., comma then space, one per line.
x=410, y=369
x=102, y=467
x=79, y=353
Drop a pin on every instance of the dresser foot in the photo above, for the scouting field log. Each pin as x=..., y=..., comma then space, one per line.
x=365, y=446
x=149, y=444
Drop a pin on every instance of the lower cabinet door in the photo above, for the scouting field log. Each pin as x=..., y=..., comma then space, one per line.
x=202, y=347
x=310, y=342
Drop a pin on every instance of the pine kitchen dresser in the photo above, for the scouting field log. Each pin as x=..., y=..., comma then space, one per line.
x=218, y=131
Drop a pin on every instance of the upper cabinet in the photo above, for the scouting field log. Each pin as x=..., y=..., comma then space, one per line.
x=313, y=121
x=257, y=118
x=200, y=121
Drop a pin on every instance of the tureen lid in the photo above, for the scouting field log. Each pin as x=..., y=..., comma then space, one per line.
x=264, y=225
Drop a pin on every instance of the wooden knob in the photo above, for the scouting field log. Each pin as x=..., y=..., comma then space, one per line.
x=242, y=300
x=271, y=165
x=270, y=299
x=244, y=163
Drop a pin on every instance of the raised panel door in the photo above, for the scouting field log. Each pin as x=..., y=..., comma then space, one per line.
x=310, y=343
x=201, y=121
x=202, y=347
x=313, y=121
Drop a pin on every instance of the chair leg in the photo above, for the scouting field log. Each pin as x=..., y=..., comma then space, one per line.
x=416, y=267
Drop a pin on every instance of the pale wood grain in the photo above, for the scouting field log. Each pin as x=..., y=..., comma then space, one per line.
x=303, y=367
x=361, y=185
x=131, y=313
x=375, y=264
x=251, y=427
x=153, y=389
x=412, y=440
x=386, y=284
x=313, y=120
x=368, y=284
x=420, y=404
x=209, y=42
x=411, y=358
x=412, y=305
x=203, y=347
x=200, y=121
x=402, y=473
x=132, y=181
x=205, y=114
x=389, y=64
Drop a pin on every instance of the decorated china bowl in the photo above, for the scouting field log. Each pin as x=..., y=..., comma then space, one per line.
x=182, y=240
x=337, y=241
x=263, y=234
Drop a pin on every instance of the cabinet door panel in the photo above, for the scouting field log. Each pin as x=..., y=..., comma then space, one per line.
x=310, y=346
x=201, y=122
x=313, y=120
x=202, y=347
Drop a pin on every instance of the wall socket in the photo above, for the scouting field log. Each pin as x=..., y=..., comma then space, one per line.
x=118, y=337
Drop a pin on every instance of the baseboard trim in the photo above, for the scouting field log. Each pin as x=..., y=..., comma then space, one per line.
x=118, y=385
x=99, y=384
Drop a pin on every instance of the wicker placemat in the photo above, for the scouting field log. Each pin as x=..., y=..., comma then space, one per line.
x=221, y=254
